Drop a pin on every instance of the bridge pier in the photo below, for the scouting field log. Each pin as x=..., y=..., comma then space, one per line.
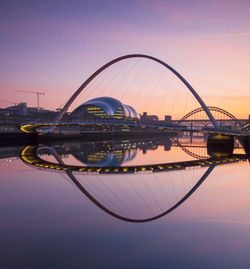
x=220, y=145
x=245, y=141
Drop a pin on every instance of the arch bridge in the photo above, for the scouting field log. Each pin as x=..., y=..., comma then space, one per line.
x=211, y=108
x=32, y=128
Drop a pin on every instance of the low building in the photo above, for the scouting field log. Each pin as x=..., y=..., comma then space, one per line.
x=146, y=117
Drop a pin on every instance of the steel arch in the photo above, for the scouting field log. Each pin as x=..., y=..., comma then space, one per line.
x=211, y=108
x=95, y=74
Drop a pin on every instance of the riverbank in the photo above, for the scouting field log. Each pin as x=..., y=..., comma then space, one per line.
x=18, y=138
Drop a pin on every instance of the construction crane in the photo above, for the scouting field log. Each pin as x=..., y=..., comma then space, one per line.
x=37, y=94
x=3, y=101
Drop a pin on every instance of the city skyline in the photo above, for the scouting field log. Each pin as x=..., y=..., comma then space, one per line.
x=53, y=47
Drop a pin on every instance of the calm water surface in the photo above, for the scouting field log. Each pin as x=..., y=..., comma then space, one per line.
x=48, y=222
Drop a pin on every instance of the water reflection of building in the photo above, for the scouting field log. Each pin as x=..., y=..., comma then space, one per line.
x=118, y=152
x=95, y=151
x=105, y=158
x=108, y=153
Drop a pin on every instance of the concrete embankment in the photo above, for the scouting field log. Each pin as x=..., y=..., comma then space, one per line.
x=27, y=139
x=17, y=138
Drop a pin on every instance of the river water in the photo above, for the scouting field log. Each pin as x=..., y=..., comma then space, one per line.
x=181, y=212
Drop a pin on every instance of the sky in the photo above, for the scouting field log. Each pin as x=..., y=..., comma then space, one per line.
x=53, y=46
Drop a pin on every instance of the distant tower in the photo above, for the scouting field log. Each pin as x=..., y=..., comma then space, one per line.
x=23, y=108
x=168, y=118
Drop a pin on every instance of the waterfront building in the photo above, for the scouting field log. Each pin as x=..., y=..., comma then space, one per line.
x=104, y=108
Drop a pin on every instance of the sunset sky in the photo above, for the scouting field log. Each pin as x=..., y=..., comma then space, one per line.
x=53, y=46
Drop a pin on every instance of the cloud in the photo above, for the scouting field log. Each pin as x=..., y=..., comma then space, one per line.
x=235, y=34
x=227, y=221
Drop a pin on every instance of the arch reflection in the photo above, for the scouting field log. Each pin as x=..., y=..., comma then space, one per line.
x=144, y=178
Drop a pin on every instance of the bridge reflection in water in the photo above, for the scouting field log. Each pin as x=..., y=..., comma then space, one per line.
x=138, y=193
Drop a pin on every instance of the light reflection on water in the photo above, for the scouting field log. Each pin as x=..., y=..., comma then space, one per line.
x=44, y=214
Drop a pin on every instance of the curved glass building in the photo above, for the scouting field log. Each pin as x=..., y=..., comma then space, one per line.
x=104, y=107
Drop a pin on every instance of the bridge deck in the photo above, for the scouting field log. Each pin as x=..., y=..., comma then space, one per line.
x=32, y=127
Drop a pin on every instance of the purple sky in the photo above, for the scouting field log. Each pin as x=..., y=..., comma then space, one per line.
x=53, y=46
